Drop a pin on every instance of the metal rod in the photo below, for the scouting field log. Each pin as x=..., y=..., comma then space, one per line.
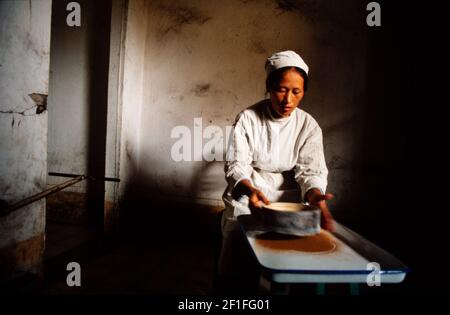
x=7, y=210
x=106, y=179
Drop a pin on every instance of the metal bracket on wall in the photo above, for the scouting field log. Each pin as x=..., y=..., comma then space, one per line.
x=6, y=209
x=88, y=177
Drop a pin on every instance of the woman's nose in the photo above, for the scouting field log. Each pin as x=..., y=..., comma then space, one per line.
x=287, y=97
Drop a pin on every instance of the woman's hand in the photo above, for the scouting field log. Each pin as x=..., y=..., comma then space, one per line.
x=256, y=196
x=315, y=197
x=256, y=199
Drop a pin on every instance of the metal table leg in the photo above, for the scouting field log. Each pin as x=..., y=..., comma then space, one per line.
x=320, y=289
x=279, y=288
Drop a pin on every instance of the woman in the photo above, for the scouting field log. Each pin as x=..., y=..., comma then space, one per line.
x=275, y=154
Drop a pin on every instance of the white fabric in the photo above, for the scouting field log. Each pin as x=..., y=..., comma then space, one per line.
x=283, y=59
x=282, y=157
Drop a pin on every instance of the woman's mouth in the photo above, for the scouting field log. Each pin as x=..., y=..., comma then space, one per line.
x=285, y=108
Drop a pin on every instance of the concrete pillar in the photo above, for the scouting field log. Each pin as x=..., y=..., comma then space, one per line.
x=24, y=74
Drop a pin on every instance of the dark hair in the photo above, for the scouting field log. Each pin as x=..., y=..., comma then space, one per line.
x=275, y=77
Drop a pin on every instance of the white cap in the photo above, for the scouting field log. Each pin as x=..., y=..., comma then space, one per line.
x=283, y=59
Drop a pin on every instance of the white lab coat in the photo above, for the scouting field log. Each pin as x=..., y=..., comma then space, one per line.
x=282, y=157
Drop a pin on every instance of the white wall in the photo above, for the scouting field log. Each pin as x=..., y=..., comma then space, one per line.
x=132, y=91
x=206, y=59
x=24, y=70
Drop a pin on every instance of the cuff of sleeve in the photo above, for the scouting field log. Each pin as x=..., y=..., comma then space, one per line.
x=309, y=187
x=242, y=178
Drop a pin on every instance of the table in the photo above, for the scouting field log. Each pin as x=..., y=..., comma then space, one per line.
x=350, y=262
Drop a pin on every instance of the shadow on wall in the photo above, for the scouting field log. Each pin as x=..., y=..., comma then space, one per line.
x=146, y=208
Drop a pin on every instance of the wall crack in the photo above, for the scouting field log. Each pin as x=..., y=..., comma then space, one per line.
x=23, y=113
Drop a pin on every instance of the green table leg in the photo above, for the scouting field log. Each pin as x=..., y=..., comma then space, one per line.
x=279, y=288
x=354, y=289
x=321, y=289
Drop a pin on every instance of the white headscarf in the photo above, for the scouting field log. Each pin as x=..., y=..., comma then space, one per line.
x=283, y=59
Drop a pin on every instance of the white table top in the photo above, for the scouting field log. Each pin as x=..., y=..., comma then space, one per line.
x=341, y=265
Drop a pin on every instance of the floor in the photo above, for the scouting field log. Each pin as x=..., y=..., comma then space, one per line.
x=144, y=267
x=133, y=264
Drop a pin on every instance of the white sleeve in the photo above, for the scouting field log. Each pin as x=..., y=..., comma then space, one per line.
x=311, y=169
x=239, y=154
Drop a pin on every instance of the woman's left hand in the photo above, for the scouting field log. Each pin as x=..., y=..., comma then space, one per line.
x=315, y=197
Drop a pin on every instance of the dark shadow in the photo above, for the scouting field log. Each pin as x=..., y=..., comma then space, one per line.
x=100, y=16
x=143, y=206
x=386, y=181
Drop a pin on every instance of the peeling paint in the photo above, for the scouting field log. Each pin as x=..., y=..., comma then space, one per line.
x=41, y=106
x=201, y=89
x=40, y=100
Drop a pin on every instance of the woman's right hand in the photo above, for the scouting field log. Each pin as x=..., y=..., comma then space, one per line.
x=256, y=196
x=256, y=201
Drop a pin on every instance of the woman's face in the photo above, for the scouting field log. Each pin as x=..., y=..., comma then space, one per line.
x=286, y=96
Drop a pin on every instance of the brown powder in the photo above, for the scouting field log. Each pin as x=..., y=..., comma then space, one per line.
x=318, y=243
